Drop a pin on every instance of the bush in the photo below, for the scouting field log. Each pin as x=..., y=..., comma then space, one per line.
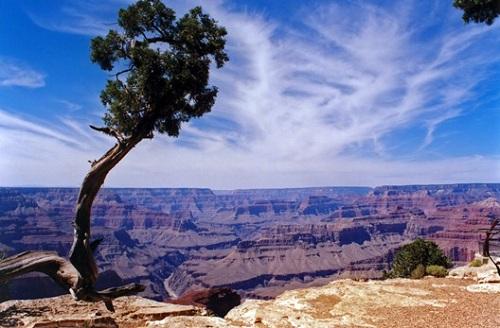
x=436, y=271
x=387, y=275
x=418, y=272
x=475, y=263
x=419, y=252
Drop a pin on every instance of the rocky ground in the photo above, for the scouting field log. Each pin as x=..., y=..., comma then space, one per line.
x=392, y=303
x=430, y=302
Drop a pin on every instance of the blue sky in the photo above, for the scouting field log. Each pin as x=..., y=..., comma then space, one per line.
x=316, y=93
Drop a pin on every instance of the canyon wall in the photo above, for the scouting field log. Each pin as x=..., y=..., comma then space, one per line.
x=259, y=241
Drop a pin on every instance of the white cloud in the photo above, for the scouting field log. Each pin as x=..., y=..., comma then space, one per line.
x=296, y=107
x=15, y=74
x=355, y=74
x=37, y=153
x=69, y=105
x=89, y=17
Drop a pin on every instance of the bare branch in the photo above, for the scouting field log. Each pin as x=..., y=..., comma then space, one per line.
x=64, y=273
x=117, y=75
x=487, y=243
x=110, y=132
x=58, y=268
x=126, y=290
x=162, y=33
x=95, y=244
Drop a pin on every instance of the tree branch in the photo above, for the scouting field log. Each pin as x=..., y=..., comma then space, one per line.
x=95, y=244
x=117, y=75
x=58, y=268
x=126, y=290
x=64, y=274
x=110, y=132
x=154, y=40
x=489, y=234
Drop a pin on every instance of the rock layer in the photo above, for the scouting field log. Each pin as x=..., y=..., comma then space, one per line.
x=260, y=242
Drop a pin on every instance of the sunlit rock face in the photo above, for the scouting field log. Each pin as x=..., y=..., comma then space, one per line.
x=259, y=242
x=63, y=311
x=405, y=303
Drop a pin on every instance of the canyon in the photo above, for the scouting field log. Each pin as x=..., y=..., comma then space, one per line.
x=259, y=242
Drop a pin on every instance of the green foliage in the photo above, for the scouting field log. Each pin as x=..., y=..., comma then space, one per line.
x=475, y=263
x=479, y=11
x=436, y=271
x=387, y=275
x=419, y=252
x=418, y=272
x=161, y=67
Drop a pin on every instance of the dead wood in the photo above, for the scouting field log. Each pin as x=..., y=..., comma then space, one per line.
x=64, y=273
x=79, y=274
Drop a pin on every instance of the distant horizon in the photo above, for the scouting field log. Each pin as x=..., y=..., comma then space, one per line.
x=266, y=188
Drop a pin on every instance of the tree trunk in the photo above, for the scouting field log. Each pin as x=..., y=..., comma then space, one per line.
x=79, y=274
x=486, y=247
x=82, y=254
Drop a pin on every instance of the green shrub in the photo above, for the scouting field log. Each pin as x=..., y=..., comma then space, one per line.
x=418, y=272
x=475, y=263
x=436, y=271
x=387, y=275
x=419, y=252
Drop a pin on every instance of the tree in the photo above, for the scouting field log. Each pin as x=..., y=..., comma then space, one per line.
x=491, y=239
x=483, y=11
x=160, y=67
x=479, y=11
x=419, y=253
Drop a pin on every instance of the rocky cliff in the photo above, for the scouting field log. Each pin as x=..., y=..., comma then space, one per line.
x=260, y=242
x=400, y=303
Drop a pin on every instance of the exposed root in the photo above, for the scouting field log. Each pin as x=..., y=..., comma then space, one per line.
x=64, y=273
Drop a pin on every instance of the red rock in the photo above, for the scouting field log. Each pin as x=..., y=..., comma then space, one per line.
x=257, y=241
x=217, y=300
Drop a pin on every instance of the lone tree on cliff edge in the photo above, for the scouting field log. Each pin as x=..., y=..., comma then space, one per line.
x=160, y=67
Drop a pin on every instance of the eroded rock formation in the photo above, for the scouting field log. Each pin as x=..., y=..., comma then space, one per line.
x=259, y=242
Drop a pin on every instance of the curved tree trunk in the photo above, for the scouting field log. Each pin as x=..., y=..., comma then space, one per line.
x=493, y=230
x=82, y=253
x=79, y=274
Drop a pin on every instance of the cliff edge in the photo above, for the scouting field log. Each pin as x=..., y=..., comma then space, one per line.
x=430, y=302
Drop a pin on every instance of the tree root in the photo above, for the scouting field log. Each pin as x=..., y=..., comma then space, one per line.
x=64, y=274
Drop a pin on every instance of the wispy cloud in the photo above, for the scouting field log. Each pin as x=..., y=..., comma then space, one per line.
x=352, y=75
x=88, y=17
x=16, y=74
x=69, y=105
x=307, y=104
x=96, y=17
x=12, y=122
